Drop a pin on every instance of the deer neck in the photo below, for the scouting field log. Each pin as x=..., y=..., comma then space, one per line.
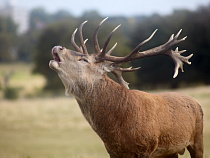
x=102, y=103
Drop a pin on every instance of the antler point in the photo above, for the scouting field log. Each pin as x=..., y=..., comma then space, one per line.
x=190, y=56
x=84, y=22
x=85, y=40
x=103, y=21
x=177, y=35
x=175, y=75
x=184, y=38
x=117, y=27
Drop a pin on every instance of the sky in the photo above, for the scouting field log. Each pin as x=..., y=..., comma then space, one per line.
x=112, y=7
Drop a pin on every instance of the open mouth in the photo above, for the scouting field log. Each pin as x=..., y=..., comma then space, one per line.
x=55, y=55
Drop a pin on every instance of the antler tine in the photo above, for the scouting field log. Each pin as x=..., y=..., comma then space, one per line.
x=132, y=55
x=110, y=51
x=85, y=41
x=118, y=73
x=81, y=38
x=102, y=54
x=130, y=69
x=173, y=40
x=142, y=43
x=177, y=35
x=76, y=47
x=179, y=64
x=120, y=79
x=95, y=37
x=178, y=60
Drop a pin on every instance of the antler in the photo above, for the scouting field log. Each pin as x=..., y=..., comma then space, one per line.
x=101, y=54
x=118, y=73
x=81, y=38
x=165, y=49
x=83, y=48
x=95, y=37
x=76, y=47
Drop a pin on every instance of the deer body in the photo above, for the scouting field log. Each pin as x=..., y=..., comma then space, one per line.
x=131, y=123
x=140, y=123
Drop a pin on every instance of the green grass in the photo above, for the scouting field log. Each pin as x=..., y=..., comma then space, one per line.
x=54, y=127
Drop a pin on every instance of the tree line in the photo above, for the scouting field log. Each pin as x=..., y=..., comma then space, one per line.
x=48, y=30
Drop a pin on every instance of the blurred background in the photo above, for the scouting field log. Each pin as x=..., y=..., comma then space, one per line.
x=36, y=119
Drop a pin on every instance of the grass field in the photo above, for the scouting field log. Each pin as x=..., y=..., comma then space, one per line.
x=55, y=128
x=22, y=78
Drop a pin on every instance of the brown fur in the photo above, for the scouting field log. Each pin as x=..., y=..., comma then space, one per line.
x=133, y=123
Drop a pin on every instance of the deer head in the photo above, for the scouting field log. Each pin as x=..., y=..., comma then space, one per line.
x=80, y=71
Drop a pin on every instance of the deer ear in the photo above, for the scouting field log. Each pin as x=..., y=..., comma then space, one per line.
x=108, y=67
x=117, y=71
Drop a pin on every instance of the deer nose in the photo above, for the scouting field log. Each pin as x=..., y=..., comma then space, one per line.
x=61, y=47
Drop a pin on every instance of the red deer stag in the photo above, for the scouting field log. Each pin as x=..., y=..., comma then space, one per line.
x=131, y=123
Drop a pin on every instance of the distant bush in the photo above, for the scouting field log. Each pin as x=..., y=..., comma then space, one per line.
x=11, y=93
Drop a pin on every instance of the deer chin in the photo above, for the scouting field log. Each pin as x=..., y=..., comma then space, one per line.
x=54, y=64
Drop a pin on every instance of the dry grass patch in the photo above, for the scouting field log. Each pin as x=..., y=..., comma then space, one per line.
x=47, y=127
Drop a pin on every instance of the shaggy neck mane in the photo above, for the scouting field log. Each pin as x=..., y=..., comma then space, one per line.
x=104, y=95
x=104, y=91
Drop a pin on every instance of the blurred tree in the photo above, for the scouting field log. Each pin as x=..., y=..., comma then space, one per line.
x=199, y=43
x=38, y=18
x=7, y=39
x=27, y=46
x=157, y=71
x=61, y=15
x=92, y=14
x=54, y=34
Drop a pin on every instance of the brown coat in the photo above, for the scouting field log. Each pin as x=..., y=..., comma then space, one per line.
x=133, y=123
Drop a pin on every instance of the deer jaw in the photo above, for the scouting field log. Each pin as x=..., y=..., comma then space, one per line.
x=78, y=72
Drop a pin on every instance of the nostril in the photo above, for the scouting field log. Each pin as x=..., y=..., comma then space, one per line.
x=61, y=48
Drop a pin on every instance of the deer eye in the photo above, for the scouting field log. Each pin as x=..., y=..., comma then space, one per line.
x=84, y=60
